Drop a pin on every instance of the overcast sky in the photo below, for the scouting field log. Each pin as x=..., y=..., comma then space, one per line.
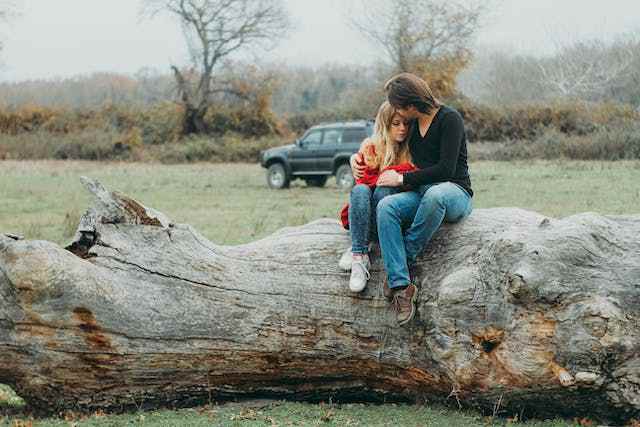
x=61, y=38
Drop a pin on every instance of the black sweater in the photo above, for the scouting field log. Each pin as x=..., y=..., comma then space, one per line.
x=441, y=155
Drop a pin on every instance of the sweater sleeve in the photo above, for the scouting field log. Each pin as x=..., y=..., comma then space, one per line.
x=452, y=134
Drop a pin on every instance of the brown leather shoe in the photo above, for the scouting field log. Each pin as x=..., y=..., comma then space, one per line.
x=387, y=291
x=404, y=303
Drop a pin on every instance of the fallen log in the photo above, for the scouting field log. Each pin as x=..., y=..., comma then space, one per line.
x=516, y=312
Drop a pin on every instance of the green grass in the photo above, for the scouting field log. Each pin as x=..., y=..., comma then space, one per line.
x=230, y=204
x=8, y=399
x=292, y=414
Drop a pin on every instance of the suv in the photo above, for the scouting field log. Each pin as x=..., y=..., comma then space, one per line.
x=323, y=150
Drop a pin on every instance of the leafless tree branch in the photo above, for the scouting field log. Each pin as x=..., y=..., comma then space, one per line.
x=214, y=30
x=586, y=69
x=419, y=30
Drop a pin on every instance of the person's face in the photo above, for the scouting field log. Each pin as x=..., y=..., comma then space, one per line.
x=408, y=113
x=399, y=128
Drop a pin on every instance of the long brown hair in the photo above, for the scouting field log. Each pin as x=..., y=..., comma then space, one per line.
x=406, y=89
x=387, y=152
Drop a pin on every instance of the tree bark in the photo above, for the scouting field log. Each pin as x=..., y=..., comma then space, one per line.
x=193, y=118
x=516, y=312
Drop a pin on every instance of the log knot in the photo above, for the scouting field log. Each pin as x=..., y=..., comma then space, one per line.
x=489, y=339
x=516, y=284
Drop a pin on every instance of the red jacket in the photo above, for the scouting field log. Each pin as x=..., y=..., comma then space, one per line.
x=370, y=178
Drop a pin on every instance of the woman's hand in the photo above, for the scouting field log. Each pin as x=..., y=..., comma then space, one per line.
x=389, y=178
x=357, y=165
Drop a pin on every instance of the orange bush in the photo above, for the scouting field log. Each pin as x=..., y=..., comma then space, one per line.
x=527, y=122
x=442, y=73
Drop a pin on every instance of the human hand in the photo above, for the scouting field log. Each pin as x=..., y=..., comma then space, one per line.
x=389, y=178
x=357, y=165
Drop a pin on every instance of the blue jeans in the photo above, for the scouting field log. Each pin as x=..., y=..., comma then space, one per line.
x=362, y=215
x=423, y=211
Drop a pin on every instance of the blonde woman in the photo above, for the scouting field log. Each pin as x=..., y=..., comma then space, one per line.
x=387, y=149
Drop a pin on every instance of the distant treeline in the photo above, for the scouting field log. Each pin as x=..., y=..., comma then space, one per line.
x=238, y=134
x=580, y=103
x=293, y=90
x=591, y=71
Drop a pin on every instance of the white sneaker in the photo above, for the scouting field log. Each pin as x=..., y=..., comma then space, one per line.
x=359, y=273
x=345, y=260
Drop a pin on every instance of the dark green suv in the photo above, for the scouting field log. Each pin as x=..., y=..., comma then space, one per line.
x=324, y=150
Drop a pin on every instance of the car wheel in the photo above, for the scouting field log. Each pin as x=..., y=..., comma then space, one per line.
x=277, y=177
x=344, y=178
x=316, y=181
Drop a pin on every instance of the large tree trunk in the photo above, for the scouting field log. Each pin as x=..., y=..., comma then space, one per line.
x=193, y=120
x=194, y=112
x=516, y=312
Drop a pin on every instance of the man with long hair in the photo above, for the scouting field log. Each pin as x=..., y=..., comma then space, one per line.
x=441, y=186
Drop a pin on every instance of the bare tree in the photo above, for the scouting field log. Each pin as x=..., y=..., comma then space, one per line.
x=414, y=31
x=588, y=69
x=502, y=77
x=214, y=30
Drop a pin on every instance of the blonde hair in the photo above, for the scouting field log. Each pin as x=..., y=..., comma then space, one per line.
x=387, y=152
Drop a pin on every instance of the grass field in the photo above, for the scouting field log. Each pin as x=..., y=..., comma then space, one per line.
x=287, y=414
x=230, y=204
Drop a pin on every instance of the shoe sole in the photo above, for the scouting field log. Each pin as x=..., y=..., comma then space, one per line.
x=413, y=309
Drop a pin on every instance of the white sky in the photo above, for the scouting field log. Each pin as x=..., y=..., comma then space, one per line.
x=61, y=38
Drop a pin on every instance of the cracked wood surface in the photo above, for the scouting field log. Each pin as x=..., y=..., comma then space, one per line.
x=515, y=309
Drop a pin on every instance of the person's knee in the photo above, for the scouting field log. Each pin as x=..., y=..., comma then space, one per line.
x=381, y=192
x=360, y=189
x=383, y=207
x=435, y=196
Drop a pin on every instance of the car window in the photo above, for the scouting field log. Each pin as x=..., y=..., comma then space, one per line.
x=314, y=137
x=352, y=135
x=332, y=136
